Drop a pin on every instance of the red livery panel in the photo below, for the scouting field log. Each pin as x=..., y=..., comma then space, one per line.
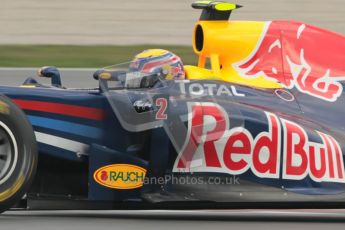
x=63, y=109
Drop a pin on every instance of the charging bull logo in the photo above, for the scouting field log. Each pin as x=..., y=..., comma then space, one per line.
x=211, y=146
x=295, y=54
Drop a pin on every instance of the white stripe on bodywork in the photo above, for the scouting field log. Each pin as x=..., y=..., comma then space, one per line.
x=59, y=142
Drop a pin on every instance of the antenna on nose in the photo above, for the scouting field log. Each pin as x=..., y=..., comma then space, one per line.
x=215, y=10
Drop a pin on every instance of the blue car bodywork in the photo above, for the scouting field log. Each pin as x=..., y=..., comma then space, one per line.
x=83, y=127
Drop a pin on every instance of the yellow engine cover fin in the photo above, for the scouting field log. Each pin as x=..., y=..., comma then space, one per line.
x=215, y=10
x=196, y=73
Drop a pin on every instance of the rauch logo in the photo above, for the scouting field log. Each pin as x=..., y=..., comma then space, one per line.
x=120, y=176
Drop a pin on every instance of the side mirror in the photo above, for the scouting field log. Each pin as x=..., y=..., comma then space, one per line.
x=109, y=75
x=104, y=76
x=52, y=73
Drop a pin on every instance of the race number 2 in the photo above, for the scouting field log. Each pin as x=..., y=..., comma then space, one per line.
x=162, y=103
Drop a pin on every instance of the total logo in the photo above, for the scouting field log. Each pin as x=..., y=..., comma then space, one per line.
x=120, y=176
x=211, y=146
x=211, y=89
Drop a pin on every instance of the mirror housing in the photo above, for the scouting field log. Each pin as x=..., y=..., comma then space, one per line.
x=52, y=73
x=108, y=75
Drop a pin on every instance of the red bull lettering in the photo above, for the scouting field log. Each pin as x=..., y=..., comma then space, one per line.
x=211, y=146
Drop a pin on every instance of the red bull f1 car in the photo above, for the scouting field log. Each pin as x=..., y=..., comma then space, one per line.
x=259, y=120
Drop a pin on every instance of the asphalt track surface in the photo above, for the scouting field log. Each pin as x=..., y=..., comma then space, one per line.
x=157, y=219
x=184, y=220
x=141, y=21
x=70, y=77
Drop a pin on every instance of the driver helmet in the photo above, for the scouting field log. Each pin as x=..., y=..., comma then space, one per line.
x=158, y=61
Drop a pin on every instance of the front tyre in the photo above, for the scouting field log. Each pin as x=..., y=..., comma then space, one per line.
x=18, y=154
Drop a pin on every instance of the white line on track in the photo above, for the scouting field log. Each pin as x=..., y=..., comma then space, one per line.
x=34, y=69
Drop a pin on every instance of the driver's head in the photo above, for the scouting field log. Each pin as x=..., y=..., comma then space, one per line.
x=159, y=61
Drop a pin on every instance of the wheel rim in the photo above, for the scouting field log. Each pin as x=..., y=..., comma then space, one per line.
x=8, y=153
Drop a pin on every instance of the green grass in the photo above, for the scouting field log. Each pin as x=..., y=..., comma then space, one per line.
x=80, y=56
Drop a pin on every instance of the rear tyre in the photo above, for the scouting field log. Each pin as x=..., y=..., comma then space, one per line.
x=18, y=154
